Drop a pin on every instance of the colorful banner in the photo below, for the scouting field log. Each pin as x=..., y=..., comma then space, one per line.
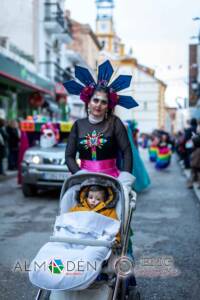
x=28, y=126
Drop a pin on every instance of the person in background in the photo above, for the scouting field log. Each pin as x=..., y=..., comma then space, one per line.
x=13, y=134
x=3, y=145
x=195, y=162
x=188, y=132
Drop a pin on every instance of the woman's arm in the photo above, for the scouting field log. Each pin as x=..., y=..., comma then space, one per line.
x=124, y=145
x=71, y=150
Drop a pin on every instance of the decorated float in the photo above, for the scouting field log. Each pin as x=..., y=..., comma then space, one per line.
x=39, y=131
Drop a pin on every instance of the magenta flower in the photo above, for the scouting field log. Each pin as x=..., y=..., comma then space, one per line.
x=87, y=93
x=113, y=99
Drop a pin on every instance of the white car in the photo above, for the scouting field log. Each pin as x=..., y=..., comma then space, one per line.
x=43, y=168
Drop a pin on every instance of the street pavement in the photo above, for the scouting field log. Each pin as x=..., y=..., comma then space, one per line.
x=166, y=238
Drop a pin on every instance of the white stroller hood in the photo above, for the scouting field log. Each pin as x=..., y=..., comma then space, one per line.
x=74, y=267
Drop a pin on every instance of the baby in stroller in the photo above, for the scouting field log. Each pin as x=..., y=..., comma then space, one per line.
x=99, y=199
x=84, y=236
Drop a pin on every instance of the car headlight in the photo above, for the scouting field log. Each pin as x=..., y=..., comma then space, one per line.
x=34, y=159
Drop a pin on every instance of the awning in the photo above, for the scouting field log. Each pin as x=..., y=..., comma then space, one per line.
x=15, y=74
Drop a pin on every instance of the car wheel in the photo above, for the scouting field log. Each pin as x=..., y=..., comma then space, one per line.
x=29, y=190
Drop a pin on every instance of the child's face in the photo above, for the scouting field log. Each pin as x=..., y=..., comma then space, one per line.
x=94, y=198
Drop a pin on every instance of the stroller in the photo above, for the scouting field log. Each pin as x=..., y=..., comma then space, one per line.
x=110, y=279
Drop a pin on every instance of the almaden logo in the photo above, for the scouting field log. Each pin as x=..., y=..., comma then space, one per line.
x=56, y=266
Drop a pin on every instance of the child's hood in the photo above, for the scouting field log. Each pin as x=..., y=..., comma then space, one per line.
x=111, y=190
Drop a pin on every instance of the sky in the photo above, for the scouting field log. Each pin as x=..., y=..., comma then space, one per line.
x=159, y=33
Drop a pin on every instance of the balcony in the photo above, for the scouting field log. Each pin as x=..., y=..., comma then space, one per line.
x=54, y=18
x=54, y=72
x=13, y=52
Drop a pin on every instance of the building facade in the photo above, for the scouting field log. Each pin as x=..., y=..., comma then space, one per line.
x=148, y=91
x=32, y=53
x=84, y=51
x=194, y=74
x=85, y=43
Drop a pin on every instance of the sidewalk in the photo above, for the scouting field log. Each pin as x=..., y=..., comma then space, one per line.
x=9, y=174
x=187, y=175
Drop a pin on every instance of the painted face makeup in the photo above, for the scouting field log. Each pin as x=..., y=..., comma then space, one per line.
x=98, y=104
x=100, y=100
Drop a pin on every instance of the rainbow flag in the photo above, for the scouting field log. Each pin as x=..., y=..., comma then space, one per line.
x=163, y=157
x=153, y=152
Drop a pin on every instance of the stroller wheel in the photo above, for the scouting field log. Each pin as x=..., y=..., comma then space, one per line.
x=43, y=295
x=133, y=294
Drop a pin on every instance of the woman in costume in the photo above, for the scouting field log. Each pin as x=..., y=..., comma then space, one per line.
x=164, y=152
x=153, y=147
x=100, y=136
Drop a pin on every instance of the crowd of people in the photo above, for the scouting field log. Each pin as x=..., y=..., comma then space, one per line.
x=187, y=144
x=9, y=145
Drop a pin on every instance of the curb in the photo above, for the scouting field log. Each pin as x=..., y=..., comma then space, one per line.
x=186, y=172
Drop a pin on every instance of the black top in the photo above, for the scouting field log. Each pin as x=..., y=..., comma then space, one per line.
x=98, y=142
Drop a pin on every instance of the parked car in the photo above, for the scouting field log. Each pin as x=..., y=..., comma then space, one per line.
x=43, y=168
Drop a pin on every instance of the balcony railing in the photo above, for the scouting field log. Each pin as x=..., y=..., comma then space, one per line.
x=55, y=72
x=4, y=42
x=53, y=13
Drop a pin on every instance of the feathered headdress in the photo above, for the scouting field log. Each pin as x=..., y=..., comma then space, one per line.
x=105, y=72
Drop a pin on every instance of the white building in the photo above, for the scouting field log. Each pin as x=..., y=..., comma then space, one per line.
x=147, y=90
x=39, y=29
x=33, y=38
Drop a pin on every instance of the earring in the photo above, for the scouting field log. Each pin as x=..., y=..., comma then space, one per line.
x=88, y=110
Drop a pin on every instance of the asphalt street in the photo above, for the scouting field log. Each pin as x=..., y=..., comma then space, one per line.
x=166, y=238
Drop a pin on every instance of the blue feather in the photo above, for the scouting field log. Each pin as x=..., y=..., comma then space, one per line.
x=105, y=71
x=73, y=87
x=121, y=82
x=84, y=75
x=127, y=101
